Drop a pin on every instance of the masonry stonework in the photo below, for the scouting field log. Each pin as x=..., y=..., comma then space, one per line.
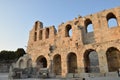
x=73, y=49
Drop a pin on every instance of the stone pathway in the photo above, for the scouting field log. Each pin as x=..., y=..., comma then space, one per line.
x=4, y=76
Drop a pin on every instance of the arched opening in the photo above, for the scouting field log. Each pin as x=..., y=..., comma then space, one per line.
x=40, y=35
x=21, y=63
x=89, y=26
x=41, y=62
x=29, y=63
x=88, y=32
x=47, y=33
x=35, y=36
x=68, y=31
x=36, y=23
x=91, y=61
x=72, y=62
x=57, y=64
x=112, y=20
x=113, y=59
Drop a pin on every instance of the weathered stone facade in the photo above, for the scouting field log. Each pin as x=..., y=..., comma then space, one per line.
x=68, y=50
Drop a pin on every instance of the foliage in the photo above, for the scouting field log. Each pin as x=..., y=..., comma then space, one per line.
x=20, y=52
x=11, y=55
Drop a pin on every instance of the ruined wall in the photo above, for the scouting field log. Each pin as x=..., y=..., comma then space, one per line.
x=45, y=43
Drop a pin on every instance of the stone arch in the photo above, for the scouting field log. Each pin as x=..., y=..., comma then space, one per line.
x=72, y=62
x=91, y=61
x=40, y=35
x=21, y=64
x=57, y=64
x=111, y=20
x=68, y=30
x=88, y=25
x=36, y=23
x=41, y=62
x=47, y=33
x=113, y=59
x=87, y=32
x=29, y=63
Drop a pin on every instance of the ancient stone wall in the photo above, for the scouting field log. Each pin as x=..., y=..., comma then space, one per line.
x=4, y=67
x=73, y=43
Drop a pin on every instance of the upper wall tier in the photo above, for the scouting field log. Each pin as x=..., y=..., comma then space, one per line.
x=95, y=28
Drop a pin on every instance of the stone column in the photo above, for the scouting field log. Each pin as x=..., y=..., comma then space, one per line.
x=102, y=61
x=80, y=62
x=64, y=66
x=51, y=73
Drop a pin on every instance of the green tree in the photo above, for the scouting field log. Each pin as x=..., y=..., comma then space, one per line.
x=11, y=55
x=7, y=55
x=20, y=52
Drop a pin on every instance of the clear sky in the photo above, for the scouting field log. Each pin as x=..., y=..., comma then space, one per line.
x=17, y=17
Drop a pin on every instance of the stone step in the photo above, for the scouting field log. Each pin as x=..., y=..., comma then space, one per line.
x=104, y=78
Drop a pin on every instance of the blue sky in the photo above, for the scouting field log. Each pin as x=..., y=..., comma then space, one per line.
x=17, y=17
